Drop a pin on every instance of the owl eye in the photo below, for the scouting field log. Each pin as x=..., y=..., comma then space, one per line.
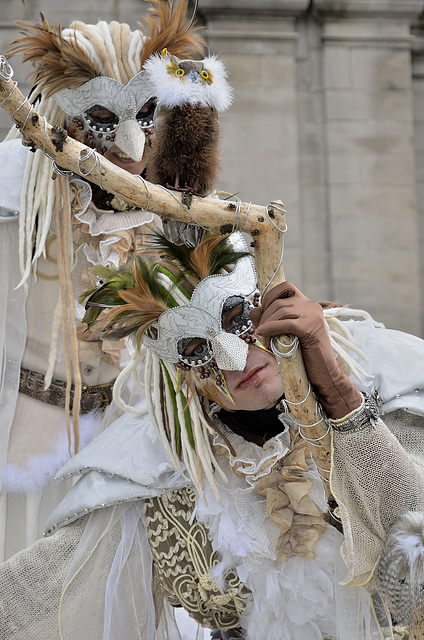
x=206, y=76
x=180, y=72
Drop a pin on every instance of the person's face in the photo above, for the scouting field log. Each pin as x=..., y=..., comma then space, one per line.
x=105, y=118
x=258, y=386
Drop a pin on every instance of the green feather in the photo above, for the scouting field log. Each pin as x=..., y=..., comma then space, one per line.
x=174, y=406
x=221, y=256
x=187, y=419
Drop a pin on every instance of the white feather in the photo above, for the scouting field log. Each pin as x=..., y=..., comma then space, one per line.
x=39, y=471
x=172, y=91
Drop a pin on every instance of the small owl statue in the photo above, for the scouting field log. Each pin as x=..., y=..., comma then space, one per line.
x=185, y=152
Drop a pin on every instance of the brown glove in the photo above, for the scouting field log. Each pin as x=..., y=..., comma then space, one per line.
x=285, y=310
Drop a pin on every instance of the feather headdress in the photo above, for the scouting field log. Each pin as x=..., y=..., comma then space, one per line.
x=133, y=298
x=67, y=58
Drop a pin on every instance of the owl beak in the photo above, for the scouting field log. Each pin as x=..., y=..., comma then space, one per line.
x=193, y=76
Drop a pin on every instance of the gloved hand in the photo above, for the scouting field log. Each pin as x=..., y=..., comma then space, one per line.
x=285, y=310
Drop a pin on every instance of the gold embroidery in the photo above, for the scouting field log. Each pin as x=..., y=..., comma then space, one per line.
x=183, y=558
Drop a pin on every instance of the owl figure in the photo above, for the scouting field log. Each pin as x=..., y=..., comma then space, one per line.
x=185, y=151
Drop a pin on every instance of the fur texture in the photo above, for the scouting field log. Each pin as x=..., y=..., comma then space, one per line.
x=186, y=150
x=186, y=153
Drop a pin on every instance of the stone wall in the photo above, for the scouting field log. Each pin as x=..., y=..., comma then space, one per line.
x=327, y=116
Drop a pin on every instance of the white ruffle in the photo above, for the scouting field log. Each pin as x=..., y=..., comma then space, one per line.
x=109, y=224
x=250, y=460
x=291, y=600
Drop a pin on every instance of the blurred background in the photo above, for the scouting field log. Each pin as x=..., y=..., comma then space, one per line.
x=328, y=116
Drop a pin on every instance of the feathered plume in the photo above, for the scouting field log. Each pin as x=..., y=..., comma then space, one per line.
x=168, y=27
x=401, y=567
x=131, y=299
x=209, y=257
x=59, y=63
x=63, y=63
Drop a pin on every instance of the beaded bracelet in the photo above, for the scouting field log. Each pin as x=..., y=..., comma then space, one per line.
x=366, y=414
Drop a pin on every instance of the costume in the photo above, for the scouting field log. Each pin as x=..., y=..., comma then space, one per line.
x=216, y=547
x=90, y=79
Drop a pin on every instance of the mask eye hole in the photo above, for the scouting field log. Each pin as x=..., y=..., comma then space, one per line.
x=100, y=116
x=235, y=315
x=145, y=115
x=194, y=351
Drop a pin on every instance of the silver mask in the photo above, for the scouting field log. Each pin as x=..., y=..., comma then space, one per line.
x=131, y=123
x=201, y=318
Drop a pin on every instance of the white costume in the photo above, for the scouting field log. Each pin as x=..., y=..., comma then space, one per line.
x=228, y=575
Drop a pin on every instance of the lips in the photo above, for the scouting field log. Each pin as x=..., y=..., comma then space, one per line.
x=252, y=377
x=123, y=156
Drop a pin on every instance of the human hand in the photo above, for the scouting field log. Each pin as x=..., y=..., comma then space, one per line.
x=285, y=310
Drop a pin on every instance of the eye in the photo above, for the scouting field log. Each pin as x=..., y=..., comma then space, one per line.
x=145, y=115
x=194, y=351
x=103, y=116
x=206, y=76
x=232, y=318
x=180, y=72
x=197, y=348
x=147, y=108
x=235, y=315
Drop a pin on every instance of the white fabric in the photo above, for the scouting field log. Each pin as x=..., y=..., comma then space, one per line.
x=313, y=600
x=13, y=157
x=293, y=599
x=125, y=462
x=12, y=333
x=109, y=224
x=396, y=360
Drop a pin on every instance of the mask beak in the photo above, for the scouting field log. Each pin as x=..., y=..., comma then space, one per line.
x=230, y=351
x=131, y=139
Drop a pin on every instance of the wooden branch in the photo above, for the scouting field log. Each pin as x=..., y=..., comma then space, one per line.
x=264, y=224
x=71, y=155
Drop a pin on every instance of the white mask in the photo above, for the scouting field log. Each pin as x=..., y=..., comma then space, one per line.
x=128, y=128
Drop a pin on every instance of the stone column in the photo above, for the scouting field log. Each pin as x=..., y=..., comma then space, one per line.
x=418, y=96
x=257, y=41
x=370, y=163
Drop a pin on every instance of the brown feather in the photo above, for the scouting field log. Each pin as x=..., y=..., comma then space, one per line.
x=141, y=307
x=59, y=63
x=170, y=29
x=200, y=258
